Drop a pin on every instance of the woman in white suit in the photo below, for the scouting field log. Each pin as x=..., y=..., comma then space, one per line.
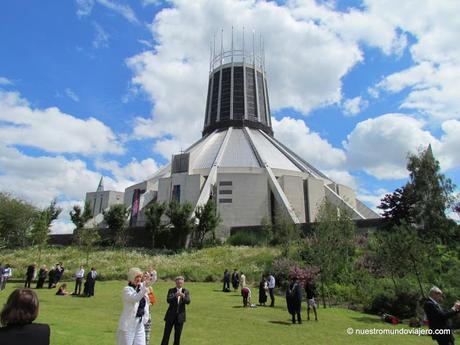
x=135, y=310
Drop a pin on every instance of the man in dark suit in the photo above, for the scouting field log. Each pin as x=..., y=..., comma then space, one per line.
x=90, y=282
x=438, y=318
x=294, y=299
x=30, y=275
x=177, y=298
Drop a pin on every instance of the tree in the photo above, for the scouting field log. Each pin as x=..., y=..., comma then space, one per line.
x=153, y=213
x=116, y=220
x=207, y=222
x=181, y=222
x=79, y=217
x=284, y=232
x=331, y=245
x=398, y=206
x=402, y=252
x=423, y=201
x=86, y=238
x=433, y=195
x=41, y=226
x=16, y=220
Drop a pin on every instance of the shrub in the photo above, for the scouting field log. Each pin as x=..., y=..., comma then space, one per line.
x=243, y=238
x=403, y=304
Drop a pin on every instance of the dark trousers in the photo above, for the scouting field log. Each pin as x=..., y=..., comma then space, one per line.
x=299, y=319
x=78, y=285
x=272, y=297
x=446, y=340
x=28, y=281
x=177, y=332
x=226, y=285
x=40, y=282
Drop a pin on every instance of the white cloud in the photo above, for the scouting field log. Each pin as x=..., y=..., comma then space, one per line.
x=42, y=179
x=309, y=145
x=432, y=81
x=353, y=25
x=150, y=2
x=72, y=95
x=52, y=130
x=380, y=146
x=101, y=37
x=354, y=106
x=133, y=172
x=168, y=147
x=305, y=62
x=5, y=81
x=85, y=7
x=449, y=155
x=372, y=198
x=342, y=177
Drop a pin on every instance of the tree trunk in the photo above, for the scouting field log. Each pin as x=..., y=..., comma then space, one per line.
x=394, y=282
x=323, y=295
x=417, y=274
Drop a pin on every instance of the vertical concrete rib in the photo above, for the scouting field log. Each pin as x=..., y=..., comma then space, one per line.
x=278, y=192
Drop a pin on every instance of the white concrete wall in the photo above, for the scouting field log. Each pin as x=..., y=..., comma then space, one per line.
x=316, y=195
x=347, y=194
x=293, y=189
x=250, y=200
x=101, y=201
x=190, y=187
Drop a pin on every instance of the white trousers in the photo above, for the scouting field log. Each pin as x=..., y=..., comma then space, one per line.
x=132, y=337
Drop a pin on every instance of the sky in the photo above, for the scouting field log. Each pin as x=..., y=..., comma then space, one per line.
x=113, y=88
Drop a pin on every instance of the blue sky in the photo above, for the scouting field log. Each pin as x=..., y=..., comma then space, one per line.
x=113, y=88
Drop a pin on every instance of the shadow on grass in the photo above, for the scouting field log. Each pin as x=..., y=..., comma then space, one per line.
x=284, y=323
x=366, y=319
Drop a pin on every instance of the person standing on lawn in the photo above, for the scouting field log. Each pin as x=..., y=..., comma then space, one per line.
x=79, y=275
x=7, y=273
x=271, y=289
x=177, y=298
x=51, y=275
x=310, y=290
x=41, y=276
x=263, y=287
x=242, y=280
x=294, y=299
x=30, y=275
x=90, y=282
x=235, y=280
x=226, y=287
x=438, y=318
x=135, y=309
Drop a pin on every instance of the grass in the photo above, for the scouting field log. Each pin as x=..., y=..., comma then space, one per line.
x=203, y=265
x=213, y=317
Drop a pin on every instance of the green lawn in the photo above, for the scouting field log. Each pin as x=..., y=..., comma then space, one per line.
x=213, y=317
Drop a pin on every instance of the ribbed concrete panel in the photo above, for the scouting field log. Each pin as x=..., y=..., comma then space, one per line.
x=208, y=152
x=238, y=152
x=274, y=157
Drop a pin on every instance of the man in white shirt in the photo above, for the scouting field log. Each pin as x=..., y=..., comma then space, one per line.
x=7, y=273
x=79, y=275
x=271, y=289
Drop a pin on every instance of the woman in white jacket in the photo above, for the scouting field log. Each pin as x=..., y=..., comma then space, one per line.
x=135, y=310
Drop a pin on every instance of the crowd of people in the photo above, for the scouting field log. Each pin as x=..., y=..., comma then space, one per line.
x=54, y=276
x=135, y=321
